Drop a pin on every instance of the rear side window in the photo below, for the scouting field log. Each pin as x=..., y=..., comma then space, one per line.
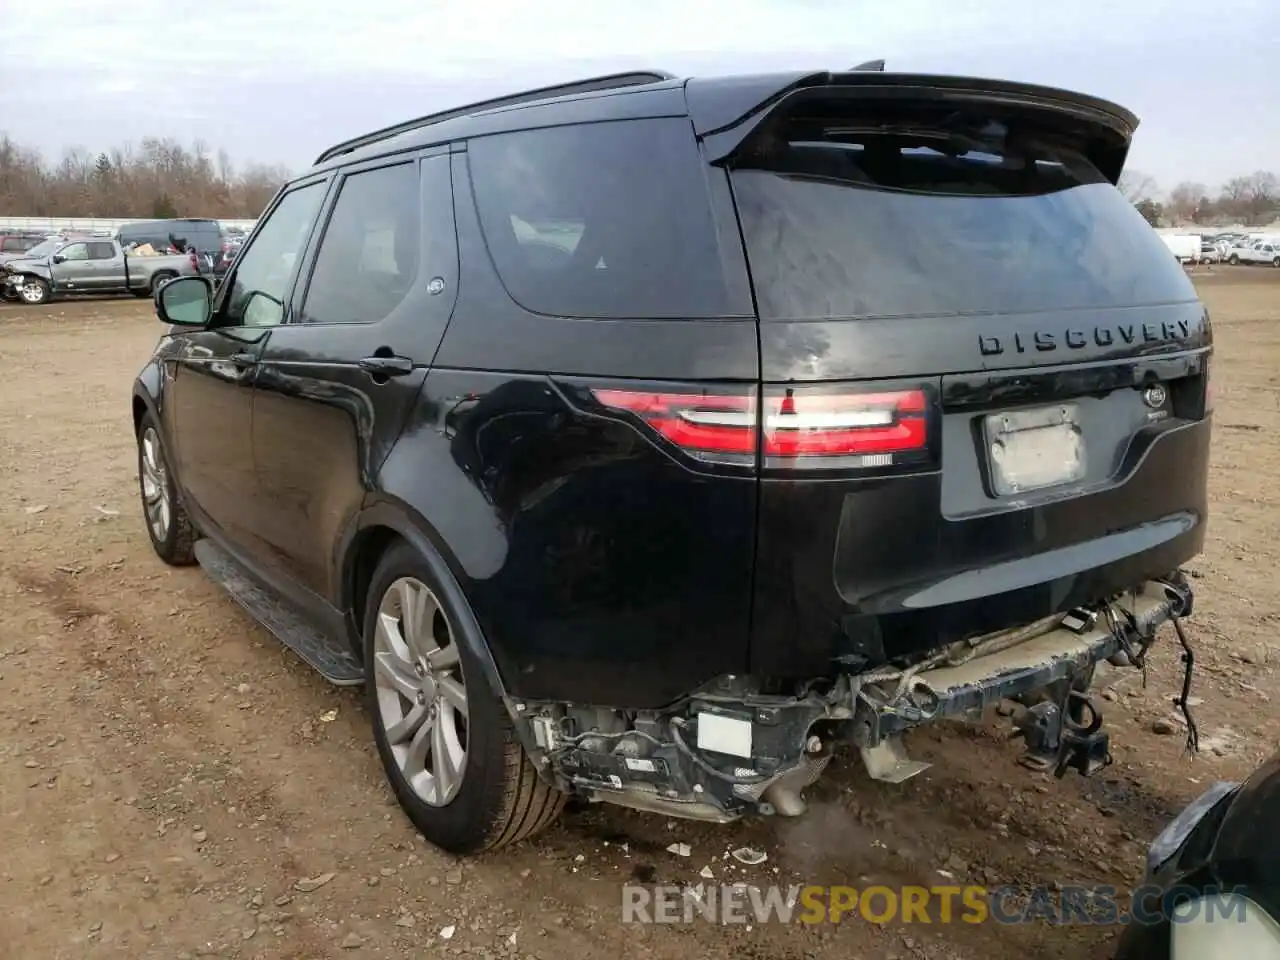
x=937, y=214
x=601, y=220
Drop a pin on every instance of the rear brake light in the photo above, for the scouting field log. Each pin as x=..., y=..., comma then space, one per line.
x=869, y=427
x=698, y=423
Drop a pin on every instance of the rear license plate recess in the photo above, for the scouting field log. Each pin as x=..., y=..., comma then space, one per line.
x=1034, y=449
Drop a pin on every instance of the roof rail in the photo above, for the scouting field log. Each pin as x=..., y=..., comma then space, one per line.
x=607, y=82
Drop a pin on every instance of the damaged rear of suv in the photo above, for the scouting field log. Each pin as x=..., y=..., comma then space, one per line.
x=981, y=435
x=717, y=423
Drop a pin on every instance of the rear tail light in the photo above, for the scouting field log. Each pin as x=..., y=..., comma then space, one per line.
x=790, y=428
x=874, y=425
x=714, y=427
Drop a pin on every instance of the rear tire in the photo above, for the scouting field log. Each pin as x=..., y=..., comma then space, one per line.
x=173, y=536
x=460, y=774
x=158, y=280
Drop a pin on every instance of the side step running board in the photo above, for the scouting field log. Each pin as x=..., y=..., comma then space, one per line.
x=328, y=656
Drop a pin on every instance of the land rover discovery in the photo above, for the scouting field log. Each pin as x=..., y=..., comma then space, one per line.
x=645, y=439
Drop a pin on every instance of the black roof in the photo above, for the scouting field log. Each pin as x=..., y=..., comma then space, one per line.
x=715, y=105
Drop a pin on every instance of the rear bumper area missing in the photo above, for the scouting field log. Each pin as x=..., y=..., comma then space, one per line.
x=962, y=683
x=741, y=745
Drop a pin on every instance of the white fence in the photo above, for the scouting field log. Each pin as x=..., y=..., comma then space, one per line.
x=89, y=224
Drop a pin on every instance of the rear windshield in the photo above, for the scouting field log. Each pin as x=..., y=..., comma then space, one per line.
x=601, y=220
x=843, y=220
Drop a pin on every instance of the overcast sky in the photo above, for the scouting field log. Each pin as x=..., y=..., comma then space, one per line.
x=277, y=81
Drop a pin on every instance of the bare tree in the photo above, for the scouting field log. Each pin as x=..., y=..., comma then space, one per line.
x=1186, y=203
x=160, y=177
x=1136, y=185
x=1262, y=198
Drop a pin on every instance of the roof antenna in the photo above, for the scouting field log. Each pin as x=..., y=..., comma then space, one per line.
x=871, y=65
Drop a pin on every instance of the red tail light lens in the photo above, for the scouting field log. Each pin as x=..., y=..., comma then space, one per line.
x=698, y=423
x=867, y=428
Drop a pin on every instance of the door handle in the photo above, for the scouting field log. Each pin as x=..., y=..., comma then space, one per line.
x=386, y=366
x=244, y=359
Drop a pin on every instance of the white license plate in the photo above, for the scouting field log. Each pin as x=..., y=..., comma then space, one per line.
x=1034, y=449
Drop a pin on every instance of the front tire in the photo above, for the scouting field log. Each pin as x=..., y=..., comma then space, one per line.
x=446, y=742
x=34, y=292
x=172, y=534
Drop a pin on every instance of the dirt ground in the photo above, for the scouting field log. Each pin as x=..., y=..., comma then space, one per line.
x=169, y=772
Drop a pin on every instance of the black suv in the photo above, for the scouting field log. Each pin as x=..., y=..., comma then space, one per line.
x=643, y=438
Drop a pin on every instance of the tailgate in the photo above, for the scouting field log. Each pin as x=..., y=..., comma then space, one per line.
x=983, y=376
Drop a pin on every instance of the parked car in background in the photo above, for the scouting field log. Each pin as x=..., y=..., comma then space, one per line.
x=94, y=266
x=1209, y=252
x=1212, y=884
x=176, y=236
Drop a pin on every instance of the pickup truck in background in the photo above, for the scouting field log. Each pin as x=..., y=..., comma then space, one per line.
x=97, y=266
x=1266, y=251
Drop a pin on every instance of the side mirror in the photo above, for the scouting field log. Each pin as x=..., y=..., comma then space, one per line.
x=59, y=258
x=262, y=310
x=185, y=302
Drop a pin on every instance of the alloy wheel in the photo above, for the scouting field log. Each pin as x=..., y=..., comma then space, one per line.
x=421, y=693
x=155, y=487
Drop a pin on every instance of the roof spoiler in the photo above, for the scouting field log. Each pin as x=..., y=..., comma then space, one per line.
x=727, y=115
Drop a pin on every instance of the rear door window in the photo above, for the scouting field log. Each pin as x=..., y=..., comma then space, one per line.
x=938, y=215
x=601, y=220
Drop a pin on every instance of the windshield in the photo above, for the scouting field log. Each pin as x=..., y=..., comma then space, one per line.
x=939, y=216
x=45, y=247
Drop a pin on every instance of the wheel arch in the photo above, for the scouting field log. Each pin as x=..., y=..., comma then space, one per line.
x=146, y=388
x=378, y=528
